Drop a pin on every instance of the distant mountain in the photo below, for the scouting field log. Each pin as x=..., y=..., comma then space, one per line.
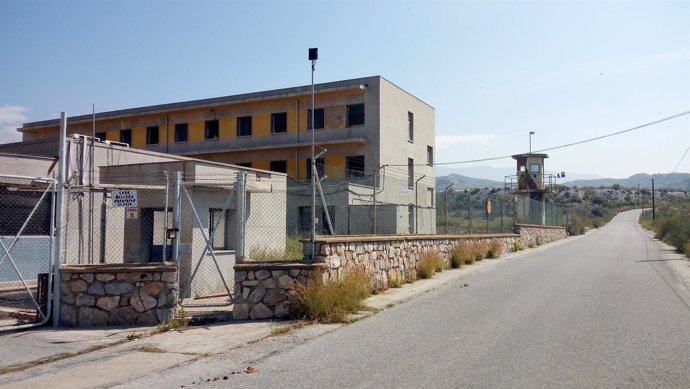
x=463, y=182
x=499, y=173
x=679, y=181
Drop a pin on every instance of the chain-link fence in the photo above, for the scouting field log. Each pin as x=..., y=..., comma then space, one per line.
x=26, y=250
x=115, y=224
x=484, y=211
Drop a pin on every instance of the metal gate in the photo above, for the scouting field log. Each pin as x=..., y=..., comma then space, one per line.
x=205, y=225
x=27, y=212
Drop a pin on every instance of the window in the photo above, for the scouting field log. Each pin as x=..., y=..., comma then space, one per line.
x=354, y=166
x=430, y=194
x=279, y=123
x=320, y=167
x=126, y=136
x=318, y=118
x=410, y=173
x=181, y=132
x=152, y=135
x=244, y=126
x=410, y=126
x=244, y=164
x=220, y=229
x=100, y=135
x=430, y=156
x=278, y=166
x=534, y=168
x=355, y=115
x=211, y=130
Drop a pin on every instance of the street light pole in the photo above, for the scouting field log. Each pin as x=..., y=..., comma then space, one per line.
x=530, y=141
x=313, y=56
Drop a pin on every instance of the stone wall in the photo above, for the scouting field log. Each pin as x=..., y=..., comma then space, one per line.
x=262, y=288
x=531, y=235
x=116, y=294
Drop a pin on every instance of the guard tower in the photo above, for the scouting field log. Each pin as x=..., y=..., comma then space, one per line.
x=530, y=179
x=530, y=183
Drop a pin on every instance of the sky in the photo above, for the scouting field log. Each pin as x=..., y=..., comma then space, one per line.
x=494, y=71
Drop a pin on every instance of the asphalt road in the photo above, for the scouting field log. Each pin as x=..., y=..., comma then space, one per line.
x=602, y=311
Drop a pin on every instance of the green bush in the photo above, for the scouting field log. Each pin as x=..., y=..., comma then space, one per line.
x=410, y=277
x=577, y=225
x=517, y=246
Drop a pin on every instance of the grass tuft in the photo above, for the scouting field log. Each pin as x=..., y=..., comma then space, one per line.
x=495, y=249
x=332, y=302
x=427, y=264
x=293, y=251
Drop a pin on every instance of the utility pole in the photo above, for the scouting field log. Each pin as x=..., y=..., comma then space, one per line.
x=653, y=203
x=313, y=56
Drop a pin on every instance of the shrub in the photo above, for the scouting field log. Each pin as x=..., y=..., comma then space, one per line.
x=427, y=264
x=577, y=225
x=479, y=250
x=331, y=302
x=517, y=246
x=495, y=249
x=686, y=249
x=461, y=254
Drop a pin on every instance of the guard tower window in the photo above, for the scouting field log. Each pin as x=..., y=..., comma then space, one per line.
x=534, y=168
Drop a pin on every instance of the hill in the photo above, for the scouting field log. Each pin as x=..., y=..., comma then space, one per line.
x=462, y=182
x=680, y=181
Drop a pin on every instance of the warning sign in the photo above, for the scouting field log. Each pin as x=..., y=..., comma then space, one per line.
x=125, y=198
x=132, y=213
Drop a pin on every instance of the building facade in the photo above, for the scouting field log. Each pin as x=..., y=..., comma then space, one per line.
x=376, y=141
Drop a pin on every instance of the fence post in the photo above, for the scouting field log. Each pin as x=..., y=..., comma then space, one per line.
x=469, y=212
x=176, y=218
x=240, y=215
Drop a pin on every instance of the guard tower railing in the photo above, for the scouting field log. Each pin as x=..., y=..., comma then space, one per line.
x=526, y=183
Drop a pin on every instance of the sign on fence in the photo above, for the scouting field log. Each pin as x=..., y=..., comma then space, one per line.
x=125, y=198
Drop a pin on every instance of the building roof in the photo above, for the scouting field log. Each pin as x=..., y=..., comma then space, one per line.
x=211, y=102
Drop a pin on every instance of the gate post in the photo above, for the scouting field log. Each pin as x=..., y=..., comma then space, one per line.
x=57, y=253
x=176, y=219
x=240, y=215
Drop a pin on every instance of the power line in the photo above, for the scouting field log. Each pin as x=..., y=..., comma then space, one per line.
x=568, y=144
x=681, y=159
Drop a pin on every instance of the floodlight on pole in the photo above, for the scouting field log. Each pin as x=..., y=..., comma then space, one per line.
x=313, y=57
